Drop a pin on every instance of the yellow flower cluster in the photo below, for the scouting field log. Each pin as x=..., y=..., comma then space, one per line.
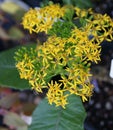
x=27, y=67
x=82, y=12
x=59, y=53
x=42, y=19
x=56, y=94
x=70, y=57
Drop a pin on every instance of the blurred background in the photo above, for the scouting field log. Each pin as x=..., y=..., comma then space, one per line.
x=22, y=103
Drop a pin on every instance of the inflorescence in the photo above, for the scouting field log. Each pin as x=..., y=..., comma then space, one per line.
x=74, y=38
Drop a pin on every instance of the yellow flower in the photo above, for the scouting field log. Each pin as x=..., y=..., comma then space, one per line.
x=86, y=91
x=39, y=20
x=62, y=101
x=84, y=98
x=68, y=56
x=82, y=12
x=64, y=81
x=30, y=20
x=56, y=94
x=25, y=72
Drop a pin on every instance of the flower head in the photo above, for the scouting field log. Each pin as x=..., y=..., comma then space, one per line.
x=41, y=20
x=69, y=51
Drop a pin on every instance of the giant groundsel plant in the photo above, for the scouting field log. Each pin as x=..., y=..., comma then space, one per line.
x=73, y=43
x=74, y=38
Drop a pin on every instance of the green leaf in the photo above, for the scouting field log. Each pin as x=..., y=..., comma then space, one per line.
x=68, y=2
x=9, y=76
x=83, y=3
x=79, y=3
x=49, y=117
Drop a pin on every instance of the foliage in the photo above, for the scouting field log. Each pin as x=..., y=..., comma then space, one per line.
x=8, y=70
x=78, y=3
x=57, y=118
